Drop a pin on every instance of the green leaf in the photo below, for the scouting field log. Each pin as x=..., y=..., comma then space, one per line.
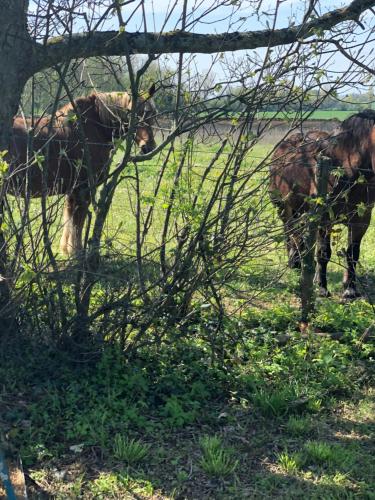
x=361, y=209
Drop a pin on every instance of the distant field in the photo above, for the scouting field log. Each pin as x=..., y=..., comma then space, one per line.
x=316, y=115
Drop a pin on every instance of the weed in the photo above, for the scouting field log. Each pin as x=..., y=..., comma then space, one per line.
x=366, y=409
x=299, y=426
x=210, y=444
x=289, y=463
x=140, y=488
x=217, y=460
x=314, y=405
x=182, y=476
x=175, y=385
x=273, y=402
x=344, y=317
x=130, y=451
x=105, y=485
x=318, y=452
x=77, y=486
x=322, y=453
x=176, y=413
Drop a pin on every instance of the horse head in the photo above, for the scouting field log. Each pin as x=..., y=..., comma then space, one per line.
x=146, y=111
x=114, y=109
x=354, y=143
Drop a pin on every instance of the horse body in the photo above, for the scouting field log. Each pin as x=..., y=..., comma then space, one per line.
x=62, y=149
x=351, y=195
x=64, y=153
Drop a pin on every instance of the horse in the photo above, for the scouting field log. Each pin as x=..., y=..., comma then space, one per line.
x=65, y=153
x=350, y=186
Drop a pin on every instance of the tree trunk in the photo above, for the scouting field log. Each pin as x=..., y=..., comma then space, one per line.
x=15, y=69
x=314, y=219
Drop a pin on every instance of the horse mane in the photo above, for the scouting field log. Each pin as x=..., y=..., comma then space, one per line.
x=62, y=115
x=113, y=106
x=311, y=142
x=354, y=132
x=110, y=106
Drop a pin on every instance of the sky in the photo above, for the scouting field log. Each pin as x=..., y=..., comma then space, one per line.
x=222, y=19
x=290, y=9
x=219, y=20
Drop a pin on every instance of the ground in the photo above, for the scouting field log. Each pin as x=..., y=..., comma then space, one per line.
x=328, y=456
x=275, y=414
x=280, y=418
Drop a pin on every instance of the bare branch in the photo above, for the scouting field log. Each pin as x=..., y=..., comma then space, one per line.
x=111, y=43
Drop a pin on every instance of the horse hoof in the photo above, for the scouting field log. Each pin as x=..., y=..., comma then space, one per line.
x=323, y=292
x=350, y=294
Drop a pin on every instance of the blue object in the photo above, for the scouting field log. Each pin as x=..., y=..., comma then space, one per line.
x=4, y=477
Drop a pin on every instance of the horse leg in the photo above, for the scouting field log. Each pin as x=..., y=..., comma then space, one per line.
x=294, y=258
x=356, y=231
x=294, y=241
x=323, y=256
x=75, y=211
x=78, y=220
x=67, y=224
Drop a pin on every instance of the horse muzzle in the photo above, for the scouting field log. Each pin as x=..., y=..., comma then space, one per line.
x=147, y=148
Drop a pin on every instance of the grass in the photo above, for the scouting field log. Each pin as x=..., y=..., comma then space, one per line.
x=127, y=450
x=83, y=432
x=322, y=453
x=217, y=460
x=299, y=425
x=320, y=114
x=288, y=462
x=274, y=420
x=271, y=402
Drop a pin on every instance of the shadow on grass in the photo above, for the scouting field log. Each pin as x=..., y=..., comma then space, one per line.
x=110, y=270
x=171, y=398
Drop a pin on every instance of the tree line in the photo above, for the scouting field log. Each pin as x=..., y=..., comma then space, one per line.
x=107, y=74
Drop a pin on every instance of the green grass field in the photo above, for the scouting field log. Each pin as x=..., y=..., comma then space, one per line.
x=315, y=115
x=281, y=415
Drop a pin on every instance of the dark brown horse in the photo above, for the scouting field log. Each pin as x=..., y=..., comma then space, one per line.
x=63, y=154
x=351, y=188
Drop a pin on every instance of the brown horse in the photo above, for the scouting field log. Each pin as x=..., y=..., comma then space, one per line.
x=351, y=188
x=63, y=154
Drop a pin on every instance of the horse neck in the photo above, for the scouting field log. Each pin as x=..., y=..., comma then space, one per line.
x=88, y=122
x=58, y=121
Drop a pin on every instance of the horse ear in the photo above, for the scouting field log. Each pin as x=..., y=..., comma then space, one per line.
x=152, y=90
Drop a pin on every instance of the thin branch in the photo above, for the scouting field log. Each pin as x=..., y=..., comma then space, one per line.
x=112, y=43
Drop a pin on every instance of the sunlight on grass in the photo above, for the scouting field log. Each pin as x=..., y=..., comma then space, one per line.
x=307, y=397
x=289, y=463
x=117, y=485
